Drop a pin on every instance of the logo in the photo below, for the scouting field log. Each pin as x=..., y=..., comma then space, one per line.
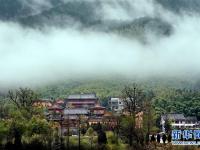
x=185, y=137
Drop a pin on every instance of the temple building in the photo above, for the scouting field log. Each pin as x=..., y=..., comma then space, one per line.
x=42, y=103
x=72, y=116
x=79, y=110
x=97, y=110
x=96, y=114
x=81, y=100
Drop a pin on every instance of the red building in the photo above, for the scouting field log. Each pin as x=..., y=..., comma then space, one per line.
x=81, y=100
x=55, y=108
x=97, y=110
x=60, y=101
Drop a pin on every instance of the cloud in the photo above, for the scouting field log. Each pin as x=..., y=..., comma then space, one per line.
x=30, y=57
x=127, y=9
x=37, y=6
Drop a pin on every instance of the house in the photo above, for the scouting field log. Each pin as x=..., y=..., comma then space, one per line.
x=96, y=114
x=97, y=110
x=75, y=111
x=60, y=102
x=116, y=105
x=80, y=110
x=56, y=108
x=92, y=115
x=81, y=100
x=55, y=112
x=178, y=121
x=42, y=103
x=107, y=119
x=191, y=121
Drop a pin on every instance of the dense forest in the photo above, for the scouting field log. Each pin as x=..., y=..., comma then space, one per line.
x=180, y=96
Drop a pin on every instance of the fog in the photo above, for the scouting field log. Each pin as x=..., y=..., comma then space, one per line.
x=31, y=57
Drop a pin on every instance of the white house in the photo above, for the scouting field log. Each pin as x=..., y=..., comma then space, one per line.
x=178, y=121
x=116, y=105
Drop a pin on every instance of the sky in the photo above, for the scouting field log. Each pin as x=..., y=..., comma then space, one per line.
x=31, y=57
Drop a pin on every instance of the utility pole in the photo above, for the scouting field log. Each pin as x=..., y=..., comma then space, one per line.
x=79, y=131
x=68, y=125
x=61, y=137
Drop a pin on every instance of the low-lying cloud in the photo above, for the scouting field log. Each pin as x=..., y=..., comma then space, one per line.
x=34, y=57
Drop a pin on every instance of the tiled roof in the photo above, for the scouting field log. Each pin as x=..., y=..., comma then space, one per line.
x=60, y=101
x=73, y=117
x=173, y=116
x=55, y=106
x=82, y=96
x=76, y=111
x=191, y=118
x=98, y=107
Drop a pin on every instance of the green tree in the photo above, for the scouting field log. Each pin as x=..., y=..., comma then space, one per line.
x=38, y=125
x=3, y=131
x=17, y=125
x=126, y=129
x=149, y=116
x=168, y=126
x=23, y=99
x=26, y=121
x=102, y=139
x=91, y=133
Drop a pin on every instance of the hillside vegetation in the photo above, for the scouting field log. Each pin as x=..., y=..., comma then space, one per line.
x=170, y=96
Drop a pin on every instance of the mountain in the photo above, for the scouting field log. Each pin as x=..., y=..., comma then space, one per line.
x=87, y=14
x=181, y=6
x=82, y=12
x=111, y=86
x=10, y=10
x=143, y=26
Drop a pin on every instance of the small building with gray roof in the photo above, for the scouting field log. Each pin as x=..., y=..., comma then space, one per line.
x=178, y=121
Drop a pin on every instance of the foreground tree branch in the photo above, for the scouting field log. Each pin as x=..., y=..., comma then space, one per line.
x=22, y=98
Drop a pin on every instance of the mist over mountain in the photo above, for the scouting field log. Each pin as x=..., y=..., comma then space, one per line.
x=92, y=14
x=65, y=14
x=45, y=41
x=181, y=6
x=86, y=14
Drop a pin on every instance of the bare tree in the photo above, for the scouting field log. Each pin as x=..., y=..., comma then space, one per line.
x=133, y=99
x=23, y=98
